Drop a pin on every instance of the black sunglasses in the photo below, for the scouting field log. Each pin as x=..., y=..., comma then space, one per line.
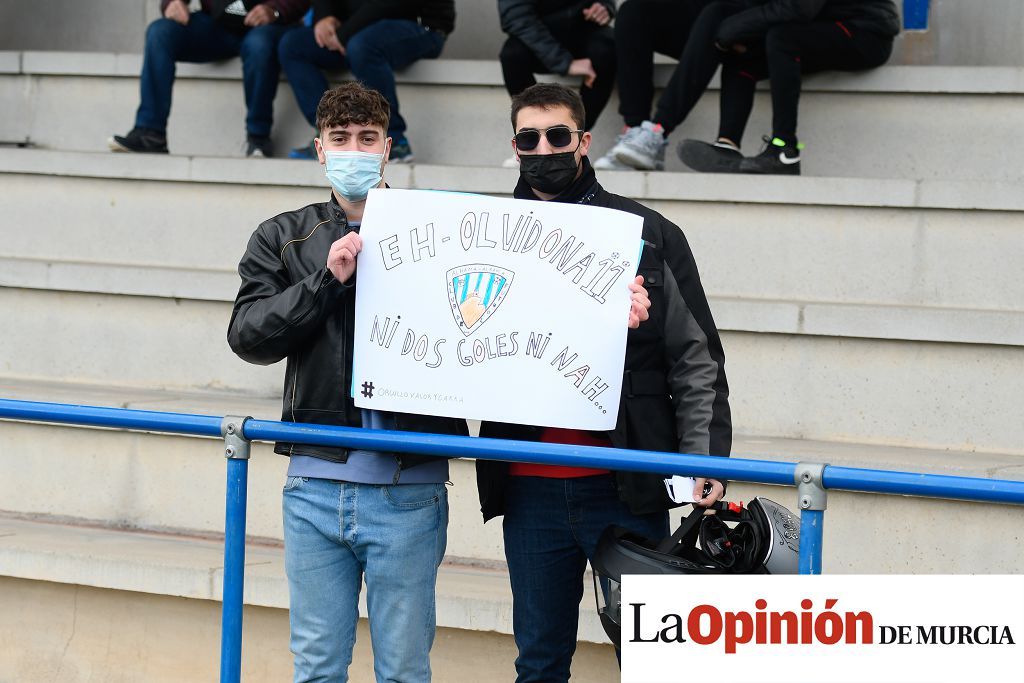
x=558, y=136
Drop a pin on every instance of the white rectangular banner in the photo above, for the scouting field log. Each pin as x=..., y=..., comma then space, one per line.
x=493, y=309
x=823, y=629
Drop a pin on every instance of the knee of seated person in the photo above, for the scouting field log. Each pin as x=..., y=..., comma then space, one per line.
x=362, y=49
x=513, y=51
x=779, y=38
x=161, y=30
x=259, y=43
x=290, y=47
x=717, y=12
x=631, y=10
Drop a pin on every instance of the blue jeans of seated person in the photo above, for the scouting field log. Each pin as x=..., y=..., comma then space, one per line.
x=204, y=40
x=373, y=54
x=337, y=534
x=551, y=529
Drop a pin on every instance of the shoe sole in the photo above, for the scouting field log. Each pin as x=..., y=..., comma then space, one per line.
x=704, y=158
x=612, y=166
x=636, y=161
x=785, y=170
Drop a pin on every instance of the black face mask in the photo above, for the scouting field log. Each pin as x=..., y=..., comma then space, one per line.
x=549, y=173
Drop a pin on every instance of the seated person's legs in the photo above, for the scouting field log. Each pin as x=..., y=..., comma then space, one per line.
x=598, y=45
x=380, y=48
x=518, y=65
x=740, y=74
x=642, y=28
x=795, y=49
x=644, y=147
x=563, y=42
x=260, y=73
x=302, y=61
x=168, y=42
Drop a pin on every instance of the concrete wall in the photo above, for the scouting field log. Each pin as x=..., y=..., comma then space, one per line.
x=55, y=633
x=960, y=32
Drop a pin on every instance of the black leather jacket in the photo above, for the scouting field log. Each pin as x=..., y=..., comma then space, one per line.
x=290, y=306
x=675, y=396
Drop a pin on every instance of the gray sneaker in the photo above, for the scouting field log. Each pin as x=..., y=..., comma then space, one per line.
x=642, y=147
x=609, y=163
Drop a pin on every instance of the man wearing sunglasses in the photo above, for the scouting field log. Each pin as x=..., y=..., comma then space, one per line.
x=674, y=398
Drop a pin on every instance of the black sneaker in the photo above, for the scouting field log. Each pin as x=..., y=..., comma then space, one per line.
x=709, y=157
x=777, y=158
x=401, y=152
x=258, y=147
x=139, y=140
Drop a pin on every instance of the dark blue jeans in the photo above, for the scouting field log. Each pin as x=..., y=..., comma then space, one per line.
x=551, y=529
x=373, y=54
x=204, y=40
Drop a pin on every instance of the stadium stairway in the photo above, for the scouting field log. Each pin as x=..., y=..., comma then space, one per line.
x=871, y=315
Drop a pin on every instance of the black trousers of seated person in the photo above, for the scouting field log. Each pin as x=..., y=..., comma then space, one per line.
x=789, y=52
x=786, y=53
x=584, y=40
x=646, y=27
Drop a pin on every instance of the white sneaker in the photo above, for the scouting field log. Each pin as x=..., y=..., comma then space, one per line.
x=642, y=147
x=511, y=162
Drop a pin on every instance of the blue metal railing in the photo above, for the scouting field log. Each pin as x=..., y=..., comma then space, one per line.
x=812, y=481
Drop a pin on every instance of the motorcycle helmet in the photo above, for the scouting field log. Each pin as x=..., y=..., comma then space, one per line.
x=761, y=538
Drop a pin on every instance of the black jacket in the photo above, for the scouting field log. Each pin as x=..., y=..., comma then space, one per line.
x=355, y=15
x=290, y=305
x=675, y=397
x=528, y=20
x=757, y=16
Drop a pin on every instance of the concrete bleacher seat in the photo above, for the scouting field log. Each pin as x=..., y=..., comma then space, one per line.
x=893, y=122
x=871, y=315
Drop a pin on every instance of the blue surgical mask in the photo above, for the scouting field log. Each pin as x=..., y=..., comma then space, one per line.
x=353, y=174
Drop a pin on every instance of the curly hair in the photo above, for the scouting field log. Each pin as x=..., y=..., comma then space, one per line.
x=549, y=96
x=352, y=103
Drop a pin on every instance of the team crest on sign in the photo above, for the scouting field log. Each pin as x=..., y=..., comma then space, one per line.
x=475, y=291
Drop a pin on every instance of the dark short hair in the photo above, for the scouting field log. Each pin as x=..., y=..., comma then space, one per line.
x=352, y=103
x=548, y=96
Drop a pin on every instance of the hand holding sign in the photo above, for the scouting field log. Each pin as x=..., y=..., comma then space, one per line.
x=639, y=303
x=341, y=259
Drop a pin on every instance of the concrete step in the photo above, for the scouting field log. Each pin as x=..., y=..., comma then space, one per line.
x=169, y=586
x=804, y=304
x=176, y=484
x=778, y=255
x=892, y=122
x=928, y=394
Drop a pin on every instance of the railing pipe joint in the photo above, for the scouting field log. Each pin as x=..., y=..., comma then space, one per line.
x=236, y=446
x=809, y=478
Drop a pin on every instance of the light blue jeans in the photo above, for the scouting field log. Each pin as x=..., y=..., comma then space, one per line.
x=335, y=535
